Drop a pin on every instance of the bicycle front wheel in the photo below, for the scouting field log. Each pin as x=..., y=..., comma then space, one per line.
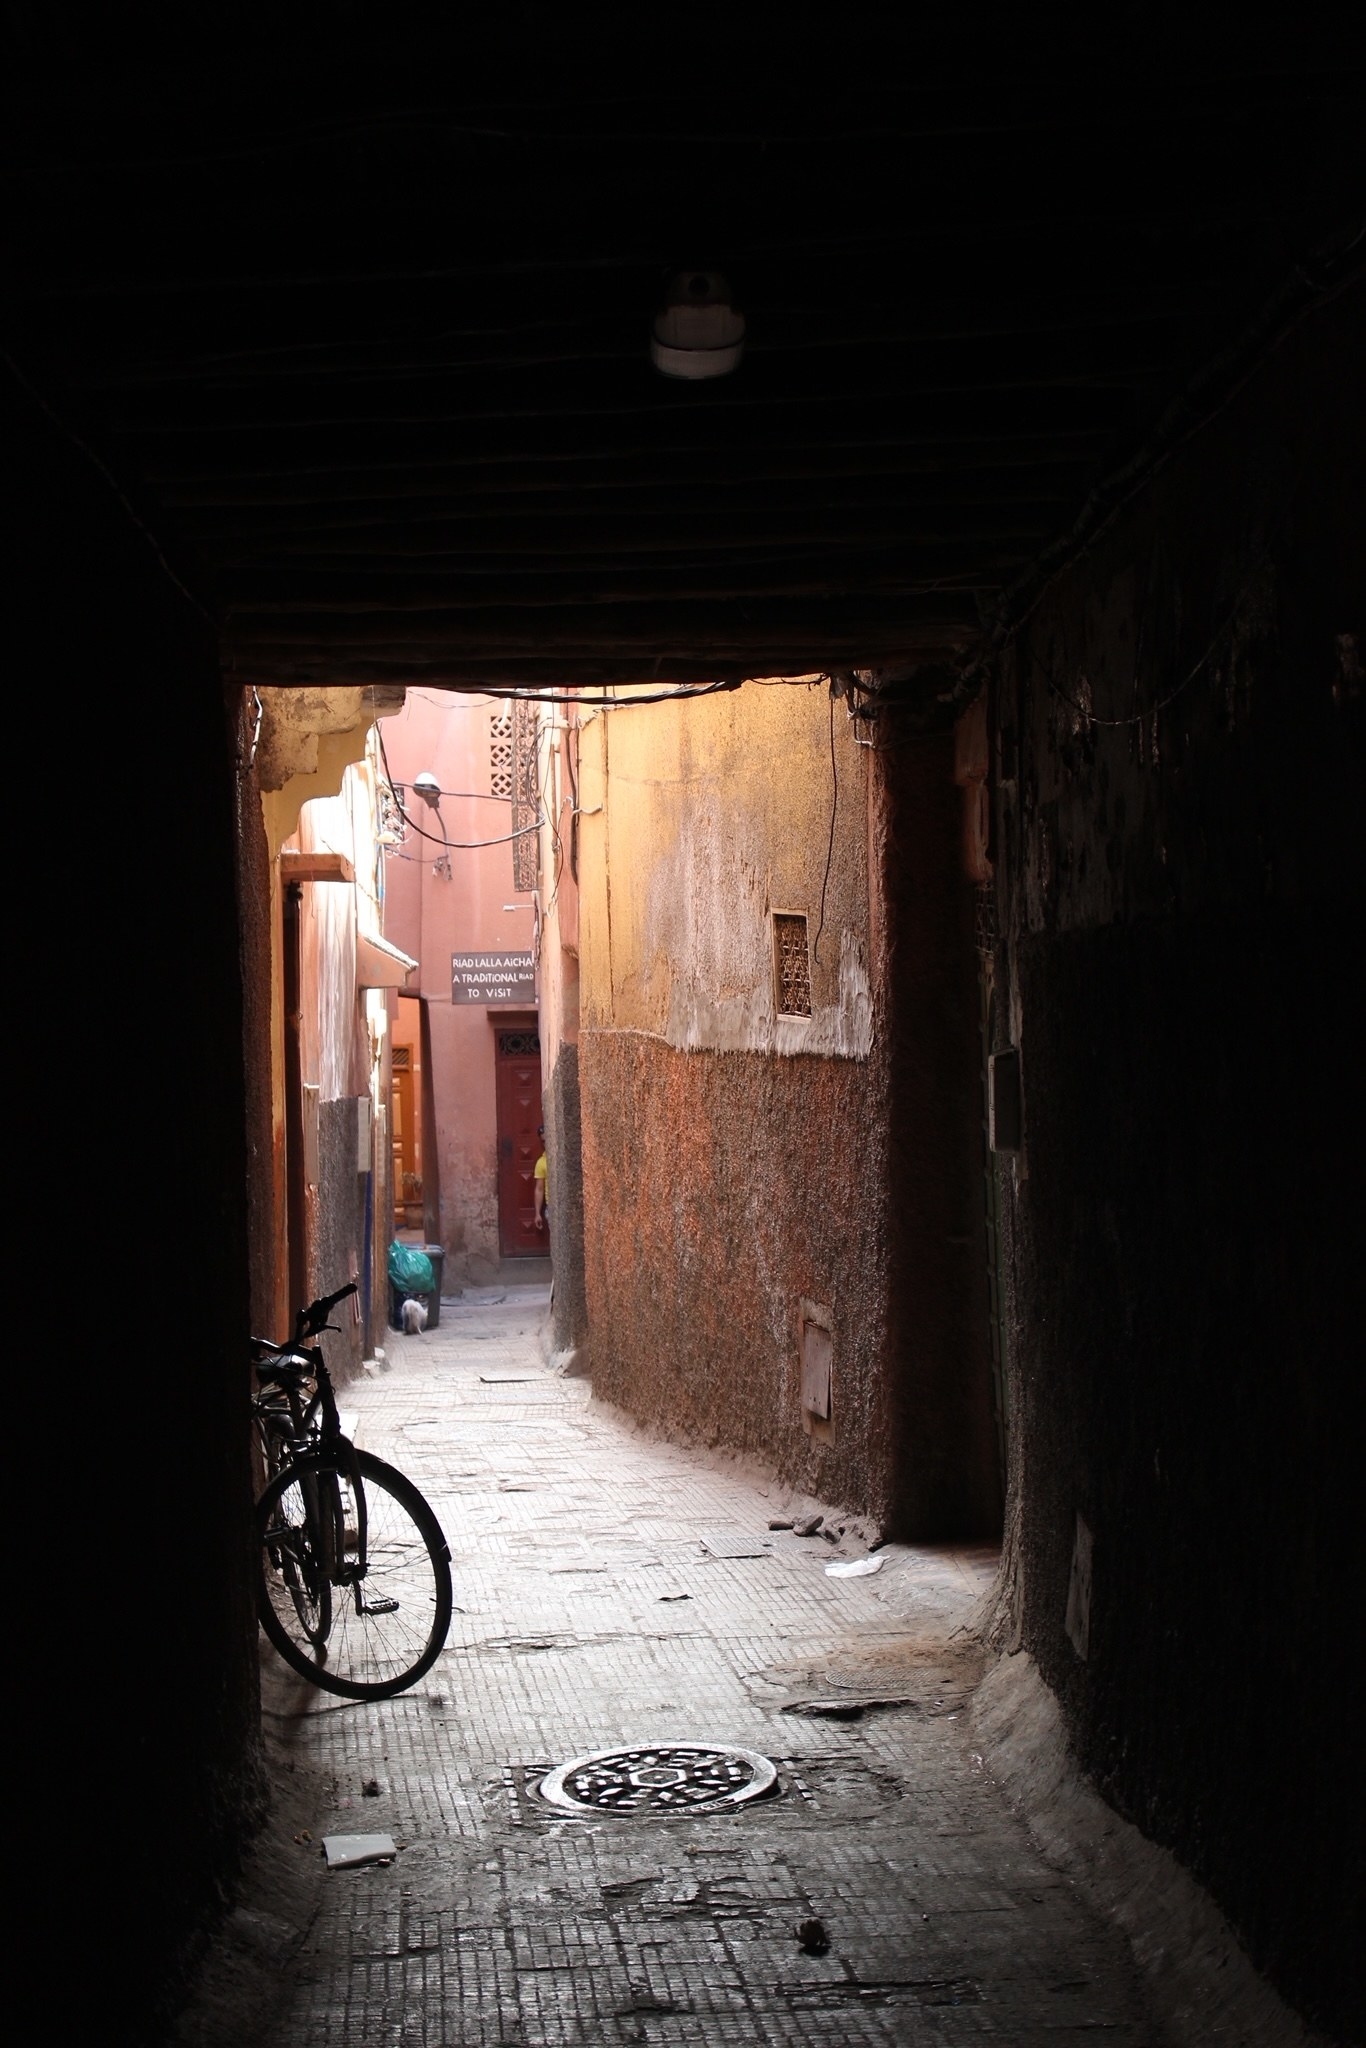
x=387, y=1623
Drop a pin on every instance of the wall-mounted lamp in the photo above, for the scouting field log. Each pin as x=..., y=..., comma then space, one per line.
x=429, y=789
x=698, y=332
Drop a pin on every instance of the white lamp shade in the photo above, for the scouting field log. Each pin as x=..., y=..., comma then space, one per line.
x=698, y=333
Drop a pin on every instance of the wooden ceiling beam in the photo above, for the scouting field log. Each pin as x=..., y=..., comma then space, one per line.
x=746, y=417
x=851, y=227
x=448, y=671
x=787, y=371
x=599, y=668
x=583, y=629
x=377, y=598
x=940, y=442
x=512, y=495
x=393, y=352
x=492, y=547
x=288, y=421
x=899, y=96
x=883, y=529
x=316, y=582
x=488, y=487
x=596, y=672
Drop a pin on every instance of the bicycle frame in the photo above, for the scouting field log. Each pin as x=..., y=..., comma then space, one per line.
x=314, y=1426
x=332, y=1517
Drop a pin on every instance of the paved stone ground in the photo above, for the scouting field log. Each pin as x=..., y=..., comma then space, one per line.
x=594, y=1611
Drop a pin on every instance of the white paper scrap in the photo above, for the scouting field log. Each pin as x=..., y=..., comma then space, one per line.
x=856, y=1568
x=342, y=1851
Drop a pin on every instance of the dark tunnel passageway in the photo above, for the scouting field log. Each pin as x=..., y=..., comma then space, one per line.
x=328, y=368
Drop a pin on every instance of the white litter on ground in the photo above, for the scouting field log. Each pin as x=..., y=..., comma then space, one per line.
x=342, y=1851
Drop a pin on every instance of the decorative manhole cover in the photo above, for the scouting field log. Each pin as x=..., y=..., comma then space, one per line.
x=673, y=1777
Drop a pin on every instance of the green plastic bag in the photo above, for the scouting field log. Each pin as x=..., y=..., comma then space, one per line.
x=410, y=1270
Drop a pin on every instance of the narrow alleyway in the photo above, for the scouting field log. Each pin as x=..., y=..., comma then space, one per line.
x=617, y=1592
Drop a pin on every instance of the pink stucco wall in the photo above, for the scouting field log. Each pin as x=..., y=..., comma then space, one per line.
x=432, y=916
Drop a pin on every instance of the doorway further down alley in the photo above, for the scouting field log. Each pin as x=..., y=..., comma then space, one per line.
x=617, y=1592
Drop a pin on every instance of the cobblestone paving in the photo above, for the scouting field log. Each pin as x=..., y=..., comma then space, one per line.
x=591, y=1614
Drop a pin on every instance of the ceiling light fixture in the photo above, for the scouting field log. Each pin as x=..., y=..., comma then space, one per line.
x=698, y=332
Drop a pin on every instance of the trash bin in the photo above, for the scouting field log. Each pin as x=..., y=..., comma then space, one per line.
x=436, y=1253
x=431, y=1302
x=402, y=1258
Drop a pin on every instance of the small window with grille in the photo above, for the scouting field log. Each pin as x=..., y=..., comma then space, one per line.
x=512, y=774
x=791, y=964
x=500, y=751
x=525, y=797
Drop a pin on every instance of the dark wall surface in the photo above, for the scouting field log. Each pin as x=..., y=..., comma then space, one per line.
x=150, y=1717
x=564, y=1139
x=947, y=1469
x=1180, y=728
x=338, y=1246
x=269, y=1304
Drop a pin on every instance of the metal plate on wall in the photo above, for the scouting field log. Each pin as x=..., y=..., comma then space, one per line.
x=659, y=1779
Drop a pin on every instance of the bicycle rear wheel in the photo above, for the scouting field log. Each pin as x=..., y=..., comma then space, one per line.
x=296, y=1547
x=385, y=1629
x=274, y=1433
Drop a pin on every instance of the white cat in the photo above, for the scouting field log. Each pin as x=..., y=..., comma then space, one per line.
x=414, y=1317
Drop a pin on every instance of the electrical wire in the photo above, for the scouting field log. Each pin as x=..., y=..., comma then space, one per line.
x=552, y=821
x=834, y=809
x=470, y=845
x=1208, y=394
x=677, y=696
x=522, y=831
x=1142, y=717
x=482, y=796
x=102, y=468
x=448, y=845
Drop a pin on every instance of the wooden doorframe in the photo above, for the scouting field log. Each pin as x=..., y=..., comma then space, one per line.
x=296, y=1187
x=519, y=1021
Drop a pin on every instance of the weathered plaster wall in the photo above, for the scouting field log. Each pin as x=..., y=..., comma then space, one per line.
x=340, y=1238
x=738, y=1162
x=734, y=1162
x=341, y=1048
x=558, y=1009
x=332, y=1057
x=721, y=1189
x=406, y=1031
x=433, y=915
x=307, y=740
x=717, y=813
x=146, y=1733
x=1182, y=907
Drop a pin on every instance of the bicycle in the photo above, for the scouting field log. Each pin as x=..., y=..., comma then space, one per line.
x=355, y=1576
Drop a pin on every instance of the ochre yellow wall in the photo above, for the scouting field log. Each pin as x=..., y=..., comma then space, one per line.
x=734, y=1164
x=699, y=819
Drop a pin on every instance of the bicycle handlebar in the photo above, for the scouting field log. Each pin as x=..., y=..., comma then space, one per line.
x=313, y=1319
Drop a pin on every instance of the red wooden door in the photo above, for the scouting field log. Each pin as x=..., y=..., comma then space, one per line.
x=517, y=1069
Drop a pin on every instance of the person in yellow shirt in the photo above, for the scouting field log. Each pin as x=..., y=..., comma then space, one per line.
x=541, y=1185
